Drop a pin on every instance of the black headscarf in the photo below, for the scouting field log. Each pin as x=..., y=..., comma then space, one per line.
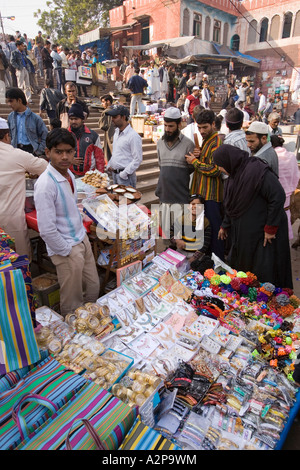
x=246, y=175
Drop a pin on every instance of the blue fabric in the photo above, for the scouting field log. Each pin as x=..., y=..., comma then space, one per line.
x=21, y=129
x=35, y=128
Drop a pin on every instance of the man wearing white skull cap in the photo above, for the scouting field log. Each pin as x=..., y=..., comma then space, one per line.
x=14, y=164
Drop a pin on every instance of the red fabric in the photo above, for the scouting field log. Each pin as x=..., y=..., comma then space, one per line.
x=71, y=183
x=194, y=101
x=31, y=220
x=87, y=151
x=271, y=229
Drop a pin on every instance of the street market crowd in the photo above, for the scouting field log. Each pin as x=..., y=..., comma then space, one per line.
x=230, y=167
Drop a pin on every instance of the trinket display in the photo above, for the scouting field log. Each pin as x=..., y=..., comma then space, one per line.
x=208, y=359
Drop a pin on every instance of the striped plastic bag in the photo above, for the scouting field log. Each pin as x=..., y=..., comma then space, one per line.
x=109, y=418
x=37, y=397
x=18, y=345
x=142, y=437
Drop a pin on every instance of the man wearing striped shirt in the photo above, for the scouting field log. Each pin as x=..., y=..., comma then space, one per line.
x=61, y=226
x=207, y=180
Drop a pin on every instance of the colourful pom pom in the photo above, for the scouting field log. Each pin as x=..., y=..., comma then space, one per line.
x=241, y=274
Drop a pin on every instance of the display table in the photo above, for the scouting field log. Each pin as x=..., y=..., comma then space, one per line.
x=116, y=249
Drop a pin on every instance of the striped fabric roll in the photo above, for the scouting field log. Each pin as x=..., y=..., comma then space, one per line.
x=142, y=437
x=18, y=345
x=49, y=383
x=110, y=417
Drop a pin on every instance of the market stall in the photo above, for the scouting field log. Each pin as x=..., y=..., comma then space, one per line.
x=118, y=226
x=192, y=361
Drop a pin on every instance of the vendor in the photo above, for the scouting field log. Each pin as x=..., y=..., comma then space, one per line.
x=15, y=163
x=61, y=227
x=191, y=232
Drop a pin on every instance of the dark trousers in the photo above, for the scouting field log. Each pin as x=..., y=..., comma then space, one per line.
x=13, y=76
x=51, y=114
x=58, y=77
x=84, y=90
x=26, y=148
x=49, y=76
x=213, y=211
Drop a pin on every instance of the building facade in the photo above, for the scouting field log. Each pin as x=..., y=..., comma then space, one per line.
x=155, y=20
x=268, y=30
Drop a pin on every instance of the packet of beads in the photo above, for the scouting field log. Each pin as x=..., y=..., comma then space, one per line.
x=79, y=352
x=62, y=331
x=178, y=353
x=118, y=298
x=46, y=340
x=193, y=431
x=206, y=364
x=154, y=270
x=181, y=290
x=90, y=319
x=45, y=315
x=233, y=322
x=108, y=368
x=167, y=280
x=221, y=335
x=136, y=387
x=191, y=278
x=140, y=284
x=200, y=327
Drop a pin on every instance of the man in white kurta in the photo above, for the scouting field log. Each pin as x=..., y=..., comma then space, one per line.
x=153, y=80
x=14, y=164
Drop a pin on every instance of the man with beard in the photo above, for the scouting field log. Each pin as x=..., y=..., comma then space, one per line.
x=257, y=137
x=174, y=178
x=89, y=154
x=207, y=180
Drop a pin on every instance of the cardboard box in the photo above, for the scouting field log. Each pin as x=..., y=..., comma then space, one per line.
x=137, y=123
x=173, y=257
x=46, y=290
x=148, y=131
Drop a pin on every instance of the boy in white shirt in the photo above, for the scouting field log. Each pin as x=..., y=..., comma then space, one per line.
x=61, y=227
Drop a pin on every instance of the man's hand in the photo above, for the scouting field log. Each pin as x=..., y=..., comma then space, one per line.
x=77, y=161
x=180, y=244
x=222, y=235
x=268, y=238
x=191, y=157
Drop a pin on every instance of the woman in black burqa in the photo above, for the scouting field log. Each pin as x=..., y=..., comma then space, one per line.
x=254, y=212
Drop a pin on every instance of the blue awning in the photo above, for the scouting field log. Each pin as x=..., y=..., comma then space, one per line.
x=248, y=57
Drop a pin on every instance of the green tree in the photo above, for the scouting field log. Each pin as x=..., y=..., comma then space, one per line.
x=65, y=20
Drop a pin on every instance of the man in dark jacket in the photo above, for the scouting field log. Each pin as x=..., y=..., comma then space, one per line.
x=182, y=85
x=3, y=64
x=49, y=99
x=47, y=62
x=136, y=85
x=20, y=63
